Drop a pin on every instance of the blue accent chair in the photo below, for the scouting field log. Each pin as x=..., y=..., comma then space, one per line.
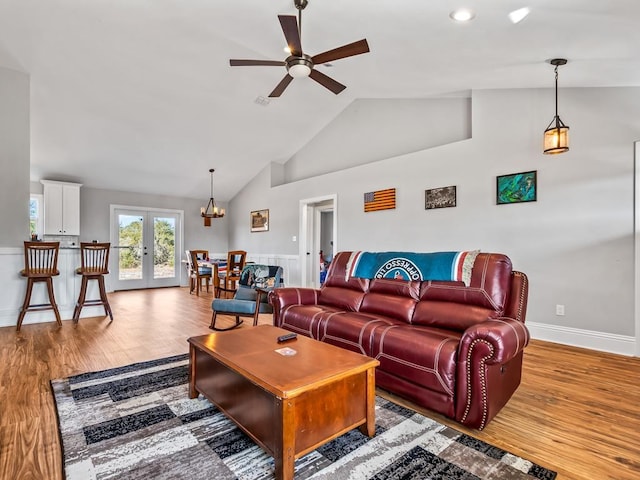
x=251, y=297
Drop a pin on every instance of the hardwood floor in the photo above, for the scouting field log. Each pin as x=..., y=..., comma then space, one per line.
x=576, y=411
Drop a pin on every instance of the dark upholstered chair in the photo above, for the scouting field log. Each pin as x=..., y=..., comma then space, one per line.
x=251, y=297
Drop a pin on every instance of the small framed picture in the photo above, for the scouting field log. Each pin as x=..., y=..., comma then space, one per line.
x=516, y=188
x=441, y=197
x=260, y=221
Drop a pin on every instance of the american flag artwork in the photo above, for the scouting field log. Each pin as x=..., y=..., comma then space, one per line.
x=380, y=200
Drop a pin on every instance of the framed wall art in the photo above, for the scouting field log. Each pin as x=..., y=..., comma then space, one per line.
x=441, y=197
x=260, y=220
x=380, y=200
x=517, y=188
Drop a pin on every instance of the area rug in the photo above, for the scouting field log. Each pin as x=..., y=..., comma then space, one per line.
x=137, y=422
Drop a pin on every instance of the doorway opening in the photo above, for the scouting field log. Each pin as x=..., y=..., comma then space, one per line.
x=146, y=247
x=318, y=232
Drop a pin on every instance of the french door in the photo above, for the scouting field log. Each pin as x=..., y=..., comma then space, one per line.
x=146, y=248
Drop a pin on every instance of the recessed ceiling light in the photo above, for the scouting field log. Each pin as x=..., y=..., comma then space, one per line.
x=462, y=15
x=518, y=15
x=287, y=50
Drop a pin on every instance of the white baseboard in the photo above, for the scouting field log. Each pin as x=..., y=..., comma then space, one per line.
x=605, y=342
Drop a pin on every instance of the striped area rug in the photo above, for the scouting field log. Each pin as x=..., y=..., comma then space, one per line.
x=137, y=422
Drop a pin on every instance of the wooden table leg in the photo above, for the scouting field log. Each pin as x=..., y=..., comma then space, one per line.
x=369, y=428
x=285, y=449
x=193, y=393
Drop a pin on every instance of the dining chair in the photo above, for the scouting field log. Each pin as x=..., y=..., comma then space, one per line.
x=227, y=280
x=251, y=297
x=198, y=273
x=94, y=265
x=40, y=265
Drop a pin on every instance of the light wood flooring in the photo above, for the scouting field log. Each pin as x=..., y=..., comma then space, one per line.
x=576, y=411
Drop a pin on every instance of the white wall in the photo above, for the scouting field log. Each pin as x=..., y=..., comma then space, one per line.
x=388, y=127
x=14, y=157
x=575, y=243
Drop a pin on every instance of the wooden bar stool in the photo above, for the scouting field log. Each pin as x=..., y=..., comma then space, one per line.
x=40, y=265
x=94, y=265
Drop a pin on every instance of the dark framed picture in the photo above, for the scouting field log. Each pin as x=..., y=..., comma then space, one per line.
x=260, y=220
x=517, y=188
x=441, y=197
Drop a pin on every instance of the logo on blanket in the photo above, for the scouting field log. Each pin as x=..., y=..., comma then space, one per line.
x=399, y=268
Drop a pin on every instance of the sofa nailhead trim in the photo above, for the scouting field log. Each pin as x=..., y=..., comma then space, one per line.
x=522, y=290
x=483, y=382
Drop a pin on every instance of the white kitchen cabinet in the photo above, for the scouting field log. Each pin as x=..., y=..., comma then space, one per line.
x=61, y=208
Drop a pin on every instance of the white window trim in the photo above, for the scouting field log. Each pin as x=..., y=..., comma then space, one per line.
x=40, y=221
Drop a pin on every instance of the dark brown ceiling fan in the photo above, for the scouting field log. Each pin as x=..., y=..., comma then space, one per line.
x=298, y=64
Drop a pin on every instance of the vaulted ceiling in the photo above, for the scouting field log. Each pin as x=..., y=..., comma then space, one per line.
x=138, y=95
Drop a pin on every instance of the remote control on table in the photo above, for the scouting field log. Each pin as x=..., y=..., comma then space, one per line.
x=286, y=337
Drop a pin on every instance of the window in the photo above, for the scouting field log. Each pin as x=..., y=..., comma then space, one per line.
x=36, y=220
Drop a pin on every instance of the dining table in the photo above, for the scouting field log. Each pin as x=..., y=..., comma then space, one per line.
x=218, y=266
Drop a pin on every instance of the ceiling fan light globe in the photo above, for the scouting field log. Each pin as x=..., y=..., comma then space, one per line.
x=300, y=70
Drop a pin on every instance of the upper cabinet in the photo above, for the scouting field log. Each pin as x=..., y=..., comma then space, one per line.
x=61, y=208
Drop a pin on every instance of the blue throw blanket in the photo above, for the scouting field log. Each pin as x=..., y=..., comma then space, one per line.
x=439, y=266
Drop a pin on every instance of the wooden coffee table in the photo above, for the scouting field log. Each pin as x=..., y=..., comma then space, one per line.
x=289, y=405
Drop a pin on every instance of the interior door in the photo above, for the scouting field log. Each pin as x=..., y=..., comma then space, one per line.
x=310, y=236
x=147, y=246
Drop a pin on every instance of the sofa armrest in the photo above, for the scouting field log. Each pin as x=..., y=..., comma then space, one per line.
x=503, y=337
x=488, y=369
x=281, y=298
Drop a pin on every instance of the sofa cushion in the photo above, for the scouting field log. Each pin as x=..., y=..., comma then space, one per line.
x=352, y=330
x=305, y=319
x=340, y=292
x=342, y=298
x=489, y=285
x=421, y=355
x=391, y=298
x=450, y=315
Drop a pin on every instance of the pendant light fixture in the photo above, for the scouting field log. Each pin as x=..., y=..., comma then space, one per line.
x=556, y=136
x=211, y=211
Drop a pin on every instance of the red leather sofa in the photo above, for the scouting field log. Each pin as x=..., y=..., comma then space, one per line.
x=451, y=348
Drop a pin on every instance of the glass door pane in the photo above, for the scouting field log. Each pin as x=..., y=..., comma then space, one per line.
x=130, y=242
x=164, y=247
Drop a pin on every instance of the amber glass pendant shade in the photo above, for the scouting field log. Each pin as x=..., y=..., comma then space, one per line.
x=556, y=139
x=556, y=136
